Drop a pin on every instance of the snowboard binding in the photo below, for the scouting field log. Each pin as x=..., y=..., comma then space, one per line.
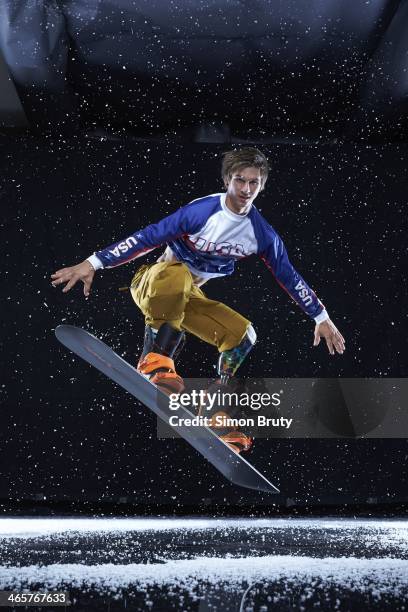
x=236, y=439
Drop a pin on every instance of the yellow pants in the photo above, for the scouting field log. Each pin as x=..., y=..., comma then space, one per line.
x=165, y=292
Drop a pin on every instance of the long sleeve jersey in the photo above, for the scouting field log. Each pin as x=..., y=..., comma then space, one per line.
x=209, y=238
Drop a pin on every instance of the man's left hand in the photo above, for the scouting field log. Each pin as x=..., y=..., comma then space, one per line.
x=334, y=340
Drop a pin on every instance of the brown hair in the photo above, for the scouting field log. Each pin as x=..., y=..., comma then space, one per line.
x=244, y=158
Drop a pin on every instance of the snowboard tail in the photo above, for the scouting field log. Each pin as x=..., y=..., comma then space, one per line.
x=98, y=354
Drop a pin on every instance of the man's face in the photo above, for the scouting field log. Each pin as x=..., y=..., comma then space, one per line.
x=242, y=189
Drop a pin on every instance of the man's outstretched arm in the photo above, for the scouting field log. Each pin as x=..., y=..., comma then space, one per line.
x=276, y=258
x=187, y=219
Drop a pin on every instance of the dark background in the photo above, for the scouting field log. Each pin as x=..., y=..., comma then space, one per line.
x=268, y=69
x=124, y=114
x=69, y=433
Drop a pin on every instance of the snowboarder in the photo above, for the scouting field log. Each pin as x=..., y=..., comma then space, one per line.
x=203, y=240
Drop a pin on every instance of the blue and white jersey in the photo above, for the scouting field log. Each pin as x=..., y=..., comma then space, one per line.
x=209, y=238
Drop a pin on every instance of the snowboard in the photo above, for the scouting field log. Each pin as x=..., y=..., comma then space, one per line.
x=98, y=354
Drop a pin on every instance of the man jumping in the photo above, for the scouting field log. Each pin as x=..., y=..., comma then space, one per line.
x=203, y=240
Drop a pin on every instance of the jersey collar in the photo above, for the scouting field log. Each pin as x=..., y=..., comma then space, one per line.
x=230, y=214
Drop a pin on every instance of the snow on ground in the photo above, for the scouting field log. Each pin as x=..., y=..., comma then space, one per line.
x=346, y=572
x=322, y=561
x=35, y=527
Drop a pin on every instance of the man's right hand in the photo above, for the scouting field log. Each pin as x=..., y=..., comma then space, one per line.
x=82, y=272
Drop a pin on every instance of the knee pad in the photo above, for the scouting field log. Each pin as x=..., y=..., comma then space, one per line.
x=251, y=333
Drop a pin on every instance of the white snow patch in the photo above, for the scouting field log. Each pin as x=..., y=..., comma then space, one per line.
x=35, y=527
x=363, y=575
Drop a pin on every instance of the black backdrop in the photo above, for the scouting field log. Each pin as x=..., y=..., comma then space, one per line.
x=322, y=69
x=69, y=434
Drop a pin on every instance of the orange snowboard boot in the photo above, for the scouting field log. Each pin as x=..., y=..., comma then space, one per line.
x=157, y=359
x=237, y=440
x=160, y=370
